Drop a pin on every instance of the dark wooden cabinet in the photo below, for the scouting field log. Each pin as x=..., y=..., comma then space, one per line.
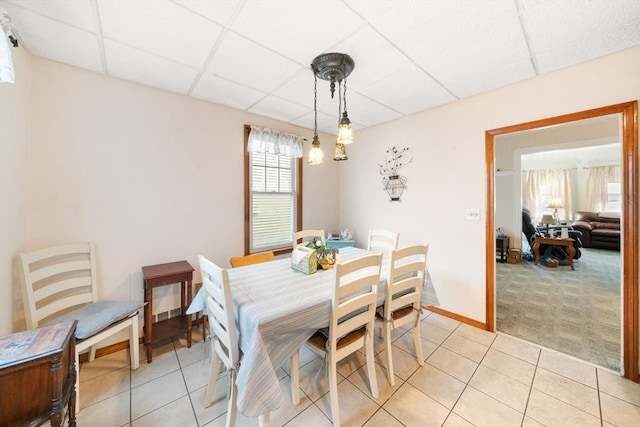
x=38, y=376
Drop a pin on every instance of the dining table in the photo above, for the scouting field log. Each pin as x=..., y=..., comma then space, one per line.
x=277, y=309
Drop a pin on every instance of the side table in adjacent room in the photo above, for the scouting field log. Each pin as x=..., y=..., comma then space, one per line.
x=502, y=246
x=38, y=376
x=161, y=275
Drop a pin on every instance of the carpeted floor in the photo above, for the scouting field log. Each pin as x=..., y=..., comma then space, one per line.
x=574, y=312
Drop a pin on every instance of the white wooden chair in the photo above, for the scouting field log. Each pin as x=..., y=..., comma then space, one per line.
x=59, y=283
x=303, y=236
x=402, y=299
x=353, y=305
x=222, y=327
x=382, y=241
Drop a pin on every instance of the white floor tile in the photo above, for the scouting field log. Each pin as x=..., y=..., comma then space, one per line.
x=413, y=408
x=438, y=385
x=568, y=367
x=619, y=412
x=572, y=392
x=507, y=390
x=553, y=413
x=453, y=364
x=482, y=410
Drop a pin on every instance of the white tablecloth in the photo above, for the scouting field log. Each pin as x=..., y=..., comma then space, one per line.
x=277, y=309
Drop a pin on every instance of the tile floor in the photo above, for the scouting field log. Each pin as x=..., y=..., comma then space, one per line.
x=470, y=378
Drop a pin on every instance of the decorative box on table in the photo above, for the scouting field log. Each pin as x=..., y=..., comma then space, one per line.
x=304, y=259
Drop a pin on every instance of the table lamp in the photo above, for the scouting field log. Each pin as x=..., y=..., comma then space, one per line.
x=547, y=219
x=556, y=204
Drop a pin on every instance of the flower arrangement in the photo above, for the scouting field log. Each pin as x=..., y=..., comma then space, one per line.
x=326, y=257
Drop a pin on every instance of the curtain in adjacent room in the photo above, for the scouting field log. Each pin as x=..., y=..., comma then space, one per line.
x=598, y=180
x=540, y=186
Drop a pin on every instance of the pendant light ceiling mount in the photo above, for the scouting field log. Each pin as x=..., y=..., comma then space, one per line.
x=332, y=67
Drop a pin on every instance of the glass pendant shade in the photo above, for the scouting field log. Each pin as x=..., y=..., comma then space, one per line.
x=345, y=134
x=315, y=155
x=340, y=153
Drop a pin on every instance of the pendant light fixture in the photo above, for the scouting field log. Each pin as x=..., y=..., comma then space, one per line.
x=334, y=68
x=341, y=151
x=315, y=155
x=345, y=134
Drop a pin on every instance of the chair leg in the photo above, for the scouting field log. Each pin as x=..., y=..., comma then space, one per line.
x=232, y=409
x=264, y=420
x=213, y=375
x=77, y=356
x=387, y=341
x=371, y=365
x=295, y=377
x=418, y=342
x=333, y=392
x=92, y=353
x=134, y=346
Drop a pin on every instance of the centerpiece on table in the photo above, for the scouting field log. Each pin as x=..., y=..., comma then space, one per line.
x=326, y=256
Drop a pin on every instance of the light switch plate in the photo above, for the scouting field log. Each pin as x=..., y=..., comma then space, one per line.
x=473, y=214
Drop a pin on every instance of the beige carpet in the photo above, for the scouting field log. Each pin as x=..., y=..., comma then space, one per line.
x=574, y=312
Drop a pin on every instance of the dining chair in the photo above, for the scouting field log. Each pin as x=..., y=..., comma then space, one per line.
x=223, y=331
x=351, y=327
x=303, y=236
x=402, y=298
x=258, y=257
x=382, y=241
x=60, y=283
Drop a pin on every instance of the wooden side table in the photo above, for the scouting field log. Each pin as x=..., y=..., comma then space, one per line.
x=502, y=245
x=38, y=376
x=567, y=243
x=161, y=275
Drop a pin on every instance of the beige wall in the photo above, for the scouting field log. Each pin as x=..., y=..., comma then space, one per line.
x=149, y=176
x=448, y=175
x=15, y=133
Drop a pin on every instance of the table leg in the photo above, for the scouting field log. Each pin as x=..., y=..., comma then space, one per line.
x=264, y=420
x=189, y=325
x=536, y=251
x=572, y=253
x=148, y=298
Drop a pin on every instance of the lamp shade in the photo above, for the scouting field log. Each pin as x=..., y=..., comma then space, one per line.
x=547, y=219
x=555, y=203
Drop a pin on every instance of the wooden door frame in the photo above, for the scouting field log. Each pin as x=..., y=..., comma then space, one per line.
x=629, y=113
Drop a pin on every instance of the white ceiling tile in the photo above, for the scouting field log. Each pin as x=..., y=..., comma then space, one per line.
x=566, y=33
x=326, y=123
x=300, y=30
x=219, y=11
x=221, y=91
x=409, y=90
x=280, y=109
x=53, y=40
x=425, y=29
x=244, y=61
x=588, y=48
x=160, y=27
x=479, y=65
x=366, y=112
x=77, y=14
x=374, y=57
x=142, y=67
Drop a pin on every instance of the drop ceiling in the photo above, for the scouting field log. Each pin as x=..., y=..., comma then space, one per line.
x=255, y=55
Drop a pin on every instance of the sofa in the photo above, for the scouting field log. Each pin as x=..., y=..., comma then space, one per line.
x=599, y=229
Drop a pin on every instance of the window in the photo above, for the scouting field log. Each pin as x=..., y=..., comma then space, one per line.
x=273, y=201
x=614, y=197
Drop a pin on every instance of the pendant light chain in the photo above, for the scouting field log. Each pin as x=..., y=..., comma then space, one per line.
x=315, y=104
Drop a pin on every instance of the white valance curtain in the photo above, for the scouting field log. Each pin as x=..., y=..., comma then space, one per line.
x=598, y=179
x=272, y=141
x=541, y=185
